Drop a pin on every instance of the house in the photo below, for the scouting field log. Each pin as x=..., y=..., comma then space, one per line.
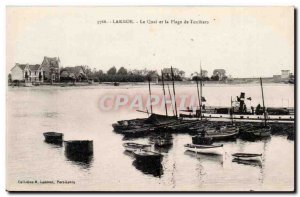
x=277, y=78
x=76, y=73
x=27, y=73
x=176, y=72
x=285, y=75
x=154, y=77
x=50, y=66
x=204, y=74
x=219, y=74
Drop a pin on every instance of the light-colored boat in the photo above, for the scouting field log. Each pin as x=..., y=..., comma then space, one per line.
x=131, y=146
x=208, y=149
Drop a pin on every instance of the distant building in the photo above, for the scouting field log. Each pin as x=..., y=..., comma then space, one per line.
x=76, y=73
x=176, y=71
x=204, y=73
x=219, y=74
x=50, y=66
x=285, y=74
x=27, y=73
x=154, y=77
x=277, y=78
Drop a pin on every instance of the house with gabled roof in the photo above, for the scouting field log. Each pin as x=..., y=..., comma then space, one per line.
x=76, y=73
x=50, y=66
x=27, y=73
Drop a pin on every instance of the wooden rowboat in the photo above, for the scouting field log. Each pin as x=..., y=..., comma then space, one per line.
x=208, y=149
x=247, y=156
x=131, y=146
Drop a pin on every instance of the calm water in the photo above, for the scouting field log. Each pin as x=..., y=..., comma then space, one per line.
x=75, y=112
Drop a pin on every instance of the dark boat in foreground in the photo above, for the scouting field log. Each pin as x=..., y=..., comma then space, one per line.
x=53, y=137
x=147, y=157
x=79, y=147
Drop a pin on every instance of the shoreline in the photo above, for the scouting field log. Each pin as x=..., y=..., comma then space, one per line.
x=122, y=84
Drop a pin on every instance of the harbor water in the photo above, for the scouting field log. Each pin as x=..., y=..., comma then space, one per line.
x=76, y=112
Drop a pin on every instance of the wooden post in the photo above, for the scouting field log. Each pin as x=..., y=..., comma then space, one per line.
x=199, y=98
x=171, y=100
x=200, y=91
x=150, y=95
x=163, y=85
x=263, y=99
x=172, y=73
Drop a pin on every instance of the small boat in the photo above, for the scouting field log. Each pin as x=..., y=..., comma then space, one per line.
x=147, y=157
x=79, y=147
x=256, y=132
x=53, y=137
x=162, y=142
x=131, y=146
x=139, y=132
x=202, y=140
x=220, y=134
x=208, y=149
x=247, y=156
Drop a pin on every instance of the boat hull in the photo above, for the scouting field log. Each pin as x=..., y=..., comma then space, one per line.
x=53, y=137
x=247, y=156
x=256, y=133
x=205, y=149
x=147, y=157
x=130, y=147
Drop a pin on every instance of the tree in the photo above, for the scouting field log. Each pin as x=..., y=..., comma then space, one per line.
x=122, y=71
x=9, y=78
x=112, y=71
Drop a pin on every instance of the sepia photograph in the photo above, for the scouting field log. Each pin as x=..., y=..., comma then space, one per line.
x=150, y=99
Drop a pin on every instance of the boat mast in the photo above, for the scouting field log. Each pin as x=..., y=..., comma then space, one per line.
x=231, y=110
x=163, y=85
x=150, y=95
x=199, y=98
x=172, y=73
x=171, y=99
x=264, y=109
x=200, y=91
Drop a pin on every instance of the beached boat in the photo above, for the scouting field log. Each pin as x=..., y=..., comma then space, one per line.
x=208, y=149
x=147, y=157
x=247, y=156
x=131, y=146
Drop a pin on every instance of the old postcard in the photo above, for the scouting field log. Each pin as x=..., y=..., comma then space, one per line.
x=150, y=99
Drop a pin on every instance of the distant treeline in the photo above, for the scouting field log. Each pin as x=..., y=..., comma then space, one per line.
x=120, y=78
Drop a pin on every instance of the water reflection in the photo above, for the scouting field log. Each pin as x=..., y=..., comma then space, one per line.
x=155, y=169
x=54, y=144
x=165, y=149
x=206, y=157
x=82, y=160
x=254, y=162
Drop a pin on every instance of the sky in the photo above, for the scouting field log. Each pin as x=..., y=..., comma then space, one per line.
x=245, y=41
